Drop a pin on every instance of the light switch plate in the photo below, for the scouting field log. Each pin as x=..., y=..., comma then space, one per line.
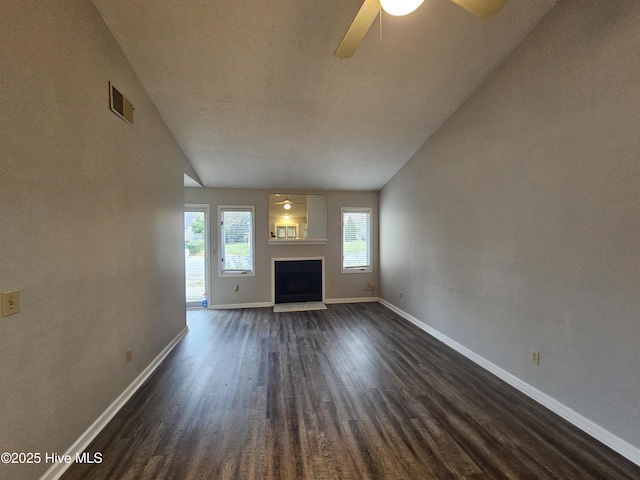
x=10, y=302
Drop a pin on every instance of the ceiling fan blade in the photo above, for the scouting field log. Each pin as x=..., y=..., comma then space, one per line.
x=484, y=9
x=358, y=29
x=289, y=202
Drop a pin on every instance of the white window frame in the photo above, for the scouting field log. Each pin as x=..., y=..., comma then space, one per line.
x=363, y=268
x=252, y=242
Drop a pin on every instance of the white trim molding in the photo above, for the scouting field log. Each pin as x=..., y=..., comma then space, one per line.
x=80, y=445
x=328, y=301
x=617, y=444
x=352, y=300
x=298, y=241
x=232, y=306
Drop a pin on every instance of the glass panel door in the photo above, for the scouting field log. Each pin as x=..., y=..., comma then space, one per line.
x=196, y=248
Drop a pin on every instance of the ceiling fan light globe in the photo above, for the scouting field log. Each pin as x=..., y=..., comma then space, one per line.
x=287, y=206
x=400, y=7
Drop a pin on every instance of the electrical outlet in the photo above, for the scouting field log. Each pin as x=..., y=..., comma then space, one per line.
x=10, y=302
x=535, y=358
x=129, y=355
x=401, y=296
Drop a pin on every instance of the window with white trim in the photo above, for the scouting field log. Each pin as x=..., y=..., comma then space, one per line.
x=356, y=240
x=237, y=244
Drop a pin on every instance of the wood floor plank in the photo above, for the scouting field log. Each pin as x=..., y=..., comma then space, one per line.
x=351, y=392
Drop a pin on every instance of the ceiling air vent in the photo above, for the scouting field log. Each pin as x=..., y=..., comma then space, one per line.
x=120, y=105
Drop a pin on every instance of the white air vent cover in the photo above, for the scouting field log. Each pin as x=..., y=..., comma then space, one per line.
x=120, y=105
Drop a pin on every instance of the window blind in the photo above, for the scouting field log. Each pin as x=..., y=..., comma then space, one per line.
x=236, y=245
x=356, y=228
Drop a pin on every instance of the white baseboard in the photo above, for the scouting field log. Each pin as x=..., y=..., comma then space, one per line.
x=80, y=445
x=352, y=300
x=596, y=431
x=231, y=306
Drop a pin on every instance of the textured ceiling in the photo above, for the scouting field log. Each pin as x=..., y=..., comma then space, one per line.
x=254, y=97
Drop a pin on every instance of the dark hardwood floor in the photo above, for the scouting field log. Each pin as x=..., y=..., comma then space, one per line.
x=352, y=392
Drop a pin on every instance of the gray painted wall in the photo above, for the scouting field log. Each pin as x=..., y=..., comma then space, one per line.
x=519, y=217
x=257, y=289
x=91, y=211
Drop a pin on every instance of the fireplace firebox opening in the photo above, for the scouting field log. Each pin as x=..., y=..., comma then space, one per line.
x=298, y=280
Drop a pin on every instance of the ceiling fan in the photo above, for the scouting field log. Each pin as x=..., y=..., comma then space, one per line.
x=287, y=204
x=371, y=8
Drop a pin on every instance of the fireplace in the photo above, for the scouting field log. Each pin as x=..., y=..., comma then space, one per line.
x=298, y=280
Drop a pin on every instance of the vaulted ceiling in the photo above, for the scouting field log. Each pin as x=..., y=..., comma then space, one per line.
x=255, y=98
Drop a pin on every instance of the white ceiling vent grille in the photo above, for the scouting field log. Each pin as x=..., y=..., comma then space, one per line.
x=120, y=105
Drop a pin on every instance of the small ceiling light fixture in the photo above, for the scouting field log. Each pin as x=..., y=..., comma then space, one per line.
x=287, y=206
x=400, y=7
x=286, y=217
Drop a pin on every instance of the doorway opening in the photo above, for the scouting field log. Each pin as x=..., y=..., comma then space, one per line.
x=196, y=254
